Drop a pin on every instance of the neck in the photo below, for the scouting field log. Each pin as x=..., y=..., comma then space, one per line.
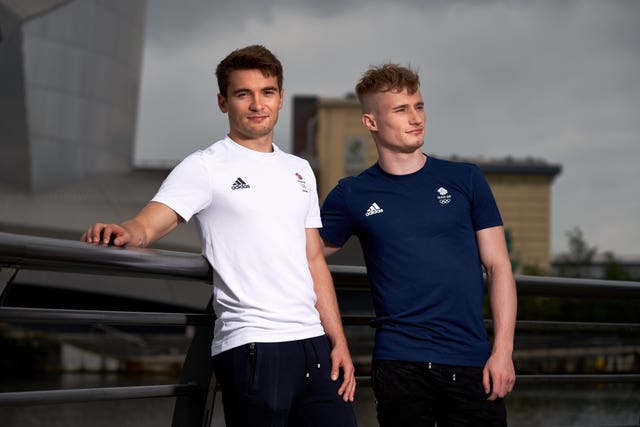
x=263, y=145
x=402, y=163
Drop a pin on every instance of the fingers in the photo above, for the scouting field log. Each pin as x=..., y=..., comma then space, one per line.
x=88, y=235
x=95, y=234
x=335, y=371
x=104, y=234
x=109, y=233
x=349, y=390
x=348, y=387
x=486, y=381
x=498, y=385
x=505, y=386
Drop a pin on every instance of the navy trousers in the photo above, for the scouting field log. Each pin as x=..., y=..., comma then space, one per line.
x=283, y=384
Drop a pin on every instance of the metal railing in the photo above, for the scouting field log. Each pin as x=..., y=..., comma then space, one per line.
x=195, y=393
x=354, y=278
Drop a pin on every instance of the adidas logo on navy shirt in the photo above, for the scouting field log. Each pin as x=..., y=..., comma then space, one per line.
x=374, y=209
x=239, y=184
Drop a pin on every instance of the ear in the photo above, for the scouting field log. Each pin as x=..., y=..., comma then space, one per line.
x=369, y=122
x=281, y=99
x=222, y=103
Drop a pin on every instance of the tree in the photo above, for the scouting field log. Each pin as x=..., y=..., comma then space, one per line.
x=579, y=257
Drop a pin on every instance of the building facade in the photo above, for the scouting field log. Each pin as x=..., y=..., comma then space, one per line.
x=69, y=83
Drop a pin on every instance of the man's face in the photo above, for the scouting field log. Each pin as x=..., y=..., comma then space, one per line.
x=397, y=120
x=252, y=102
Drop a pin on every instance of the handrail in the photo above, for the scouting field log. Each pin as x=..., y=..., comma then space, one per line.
x=558, y=379
x=355, y=278
x=50, y=397
x=95, y=317
x=44, y=253
x=194, y=395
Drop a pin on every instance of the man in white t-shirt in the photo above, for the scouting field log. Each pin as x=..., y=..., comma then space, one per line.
x=279, y=349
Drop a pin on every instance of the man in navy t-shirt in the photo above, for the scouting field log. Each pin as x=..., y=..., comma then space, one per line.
x=427, y=227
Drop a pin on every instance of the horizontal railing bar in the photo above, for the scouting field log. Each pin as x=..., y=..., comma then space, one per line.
x=60, y=316
x=553, y=326
x=577, y=379
x=44, y=253
x=355, y=278
x=527, y=325
x=365, y=380
x=576, y=287
x=48, y=397
x=73, y=256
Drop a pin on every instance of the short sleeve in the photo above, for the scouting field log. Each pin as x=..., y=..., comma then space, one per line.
x=313, y=214
x=337, y=226
x=187, y=189
x=484, y=209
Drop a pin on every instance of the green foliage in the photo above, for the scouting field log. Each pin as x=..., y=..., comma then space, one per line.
x=579, y=257
x=532, y=270
x=614, y=270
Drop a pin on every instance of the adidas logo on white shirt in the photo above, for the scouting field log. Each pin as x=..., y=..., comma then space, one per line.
x=374, y=209
x=239, y=184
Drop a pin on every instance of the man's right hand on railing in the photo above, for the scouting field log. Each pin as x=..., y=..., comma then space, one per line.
x=106, y=234
x=154, y=221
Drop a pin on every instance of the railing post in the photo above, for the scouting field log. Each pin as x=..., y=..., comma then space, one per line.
x=196, y=409
x=6, y=278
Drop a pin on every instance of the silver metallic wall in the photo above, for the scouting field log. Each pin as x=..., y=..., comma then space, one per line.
x=69, y=84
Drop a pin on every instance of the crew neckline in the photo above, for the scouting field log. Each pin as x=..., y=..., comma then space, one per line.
x=424, y=168
x=248, y=151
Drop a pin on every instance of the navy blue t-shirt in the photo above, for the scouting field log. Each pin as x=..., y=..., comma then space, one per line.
x=418, y=236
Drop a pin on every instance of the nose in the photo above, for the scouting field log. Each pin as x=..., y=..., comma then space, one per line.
x=417, y=117
x=256, y=103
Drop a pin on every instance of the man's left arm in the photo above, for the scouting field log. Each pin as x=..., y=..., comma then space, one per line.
x=327, y=306
x=499, y=373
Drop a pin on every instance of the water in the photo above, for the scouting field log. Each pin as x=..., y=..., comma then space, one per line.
x=528, y=405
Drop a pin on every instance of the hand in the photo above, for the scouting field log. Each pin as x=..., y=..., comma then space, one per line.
x=106, y=234
x=340, y=358
x=498, y=376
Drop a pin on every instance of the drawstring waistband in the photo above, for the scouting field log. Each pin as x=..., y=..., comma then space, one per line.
x=307, y=372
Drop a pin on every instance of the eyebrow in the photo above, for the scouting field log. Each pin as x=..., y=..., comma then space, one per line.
x=264, y=89
x=407, y=105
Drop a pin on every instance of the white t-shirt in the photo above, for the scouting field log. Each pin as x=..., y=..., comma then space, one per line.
x=252, y=209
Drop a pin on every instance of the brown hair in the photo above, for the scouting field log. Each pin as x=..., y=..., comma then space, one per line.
x=254, y=57
x=387, y=77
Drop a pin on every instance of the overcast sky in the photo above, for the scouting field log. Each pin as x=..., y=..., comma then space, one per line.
x=555, y=80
